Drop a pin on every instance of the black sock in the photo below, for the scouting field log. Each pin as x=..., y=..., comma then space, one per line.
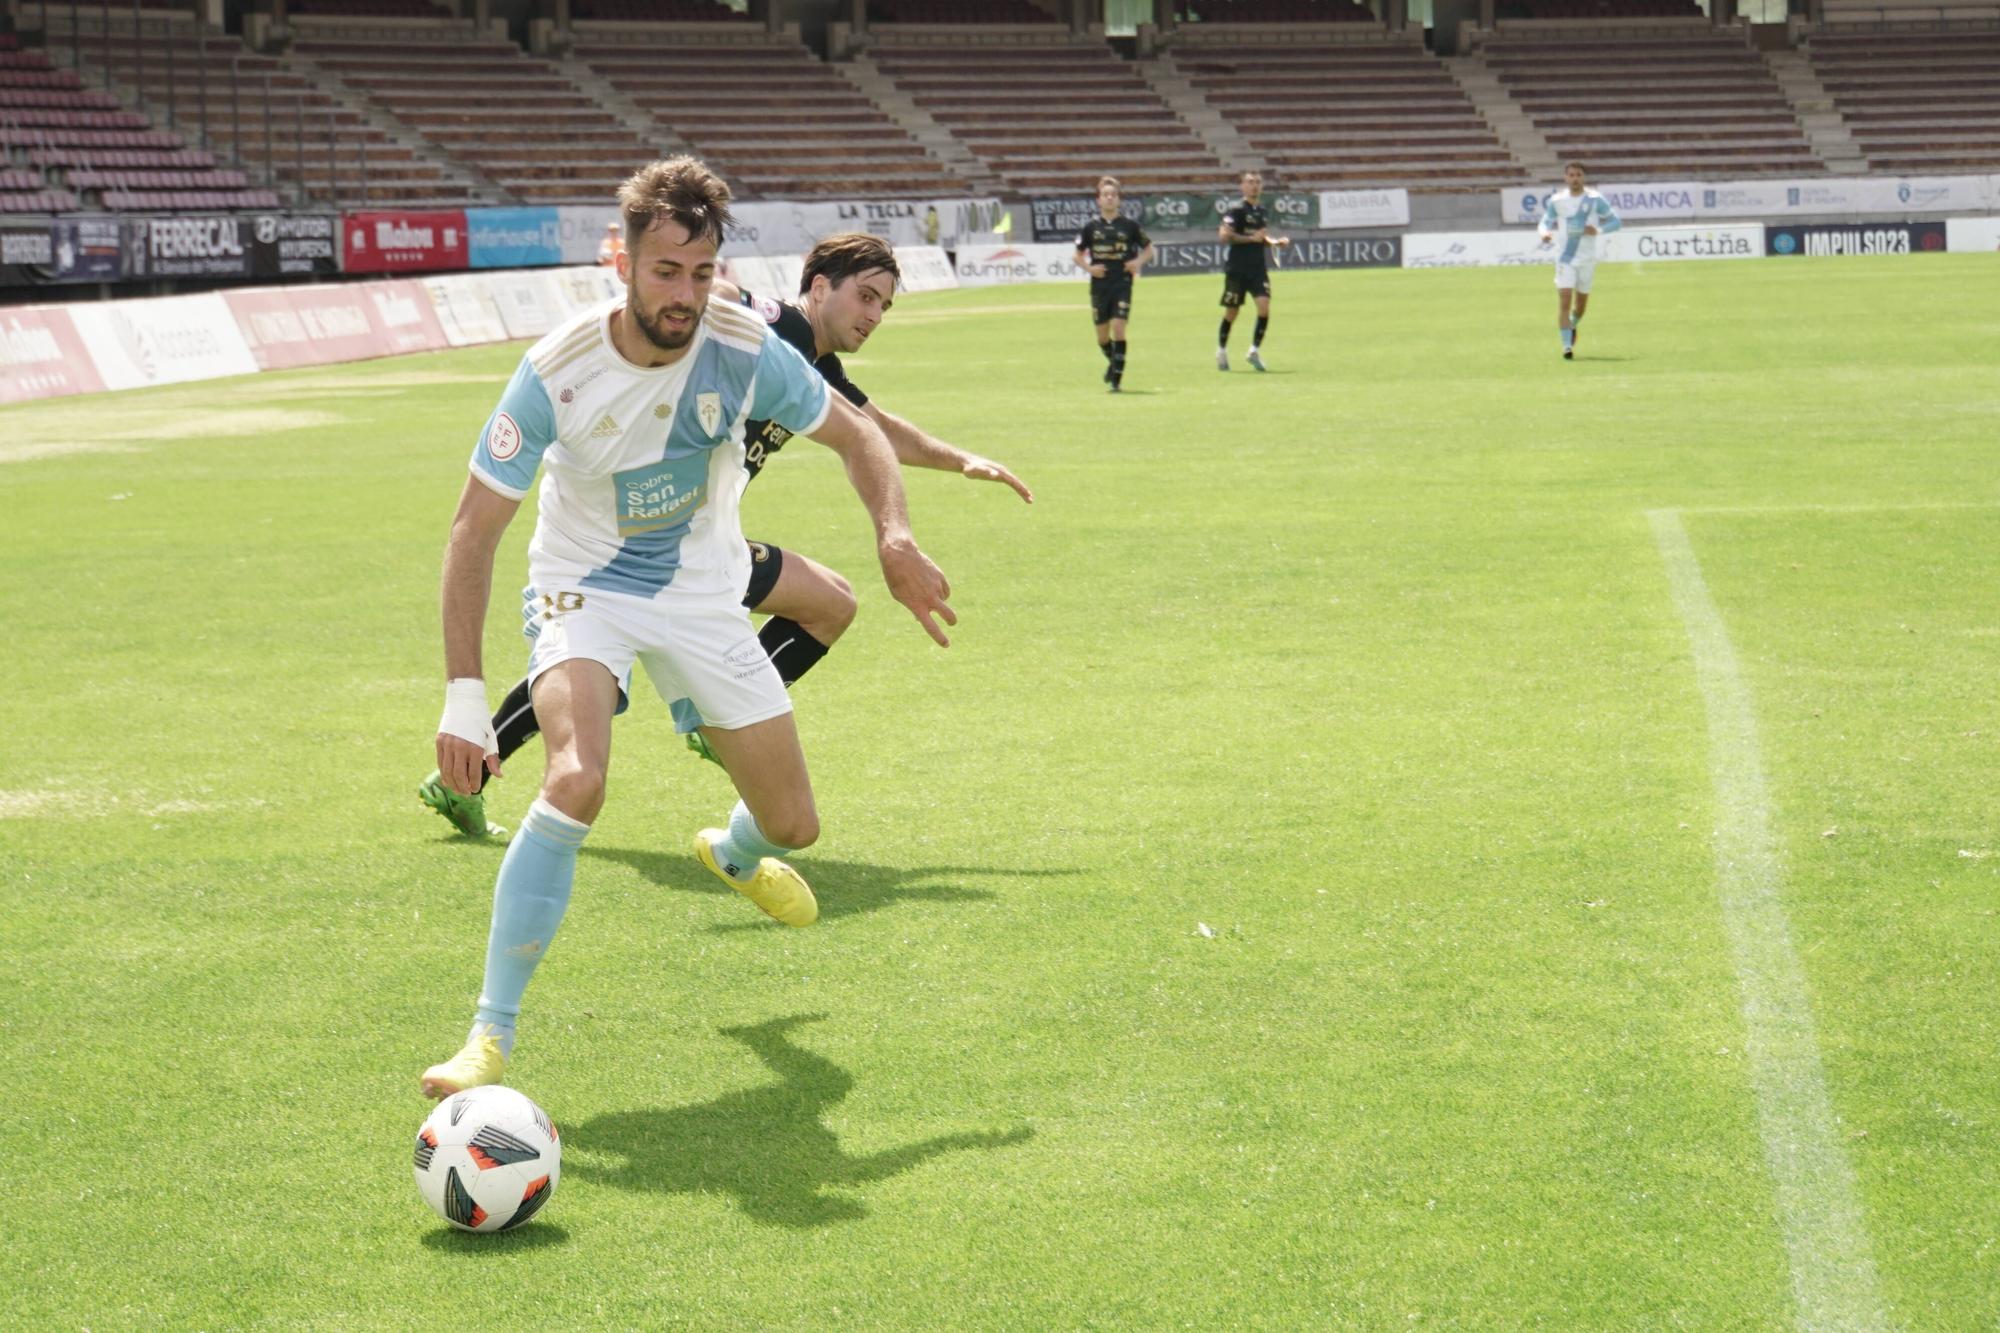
x=1118, y=356
x=1257, y=338
x=793, y=651
x=513, y=725
x=1226, y=326
x=1105, y=348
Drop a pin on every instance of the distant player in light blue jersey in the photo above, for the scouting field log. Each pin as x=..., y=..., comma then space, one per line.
x=633, y=412
x=1574, y=217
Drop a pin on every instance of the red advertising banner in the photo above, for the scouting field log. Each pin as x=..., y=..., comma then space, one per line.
x=399, y=242
x=316, y=326
x=408, y=320
x=42, y=356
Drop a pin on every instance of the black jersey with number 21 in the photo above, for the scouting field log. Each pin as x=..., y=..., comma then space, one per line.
x=1246, y=261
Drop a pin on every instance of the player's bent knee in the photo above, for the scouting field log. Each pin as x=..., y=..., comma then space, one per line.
x=576, y=789
x=841, y=605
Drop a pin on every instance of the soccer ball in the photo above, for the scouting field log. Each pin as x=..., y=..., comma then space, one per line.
x=487, y=1159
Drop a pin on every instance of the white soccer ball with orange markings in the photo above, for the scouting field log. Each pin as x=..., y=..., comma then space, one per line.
x=487, y=1159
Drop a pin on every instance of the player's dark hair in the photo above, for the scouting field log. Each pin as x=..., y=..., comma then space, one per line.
x=1578, y=165
x=838, y=258
x=675, y=189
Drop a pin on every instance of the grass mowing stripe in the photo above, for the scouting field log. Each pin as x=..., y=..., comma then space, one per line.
x=1819, y=1210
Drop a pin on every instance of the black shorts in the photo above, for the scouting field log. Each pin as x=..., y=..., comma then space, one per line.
x=1236, y=286
x=1110, y=300
x=766, y=563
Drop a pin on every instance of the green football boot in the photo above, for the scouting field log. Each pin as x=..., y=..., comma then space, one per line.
x=467, y=814
x=696, y=743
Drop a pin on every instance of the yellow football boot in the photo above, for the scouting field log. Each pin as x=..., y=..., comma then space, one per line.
x=780, y=891
x=478, y=1063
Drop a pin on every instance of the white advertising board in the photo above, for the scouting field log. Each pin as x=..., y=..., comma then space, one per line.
x=165, y=340
x=1364, y=208
x=1490, y=249
x=1981, y=235
x=1873, y=196
x=779, y=228
x=994, y=265
x=925, y=268
x=466, y=308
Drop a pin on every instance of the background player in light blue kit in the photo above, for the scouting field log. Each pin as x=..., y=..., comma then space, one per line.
x=634, y=413
x=1574, y=215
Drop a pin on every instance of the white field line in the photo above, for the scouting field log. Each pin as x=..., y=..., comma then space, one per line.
x=1818, y=1205
x=1913, y=507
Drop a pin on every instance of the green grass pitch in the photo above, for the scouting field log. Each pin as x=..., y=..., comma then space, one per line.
x=1290, y=903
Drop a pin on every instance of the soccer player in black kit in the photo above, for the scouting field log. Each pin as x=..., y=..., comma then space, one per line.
x=847, y=288
x=1112, y=249
x=1246, y=232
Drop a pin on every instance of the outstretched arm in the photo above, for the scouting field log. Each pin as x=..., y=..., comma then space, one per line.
x=467, y=584
x=915, y=448
x=871, y=469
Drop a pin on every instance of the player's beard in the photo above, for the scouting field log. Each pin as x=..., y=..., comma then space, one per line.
x=658, y=334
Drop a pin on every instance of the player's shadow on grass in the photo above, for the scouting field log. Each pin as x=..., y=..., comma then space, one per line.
x=767, y=1146
x=844, y=888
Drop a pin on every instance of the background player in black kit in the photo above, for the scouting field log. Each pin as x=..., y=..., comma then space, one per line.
x=1113, y=249
x=848, y=285
x=1246, y=232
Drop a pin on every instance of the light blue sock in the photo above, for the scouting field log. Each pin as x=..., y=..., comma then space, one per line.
x=744, y=846
x=1569, y=339
x=529, y=899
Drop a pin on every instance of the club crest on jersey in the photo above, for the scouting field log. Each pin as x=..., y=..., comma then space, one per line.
x=708, y=410
x=766, y=307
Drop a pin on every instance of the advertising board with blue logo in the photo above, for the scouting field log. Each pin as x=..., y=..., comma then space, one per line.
x=1876, y=196
x=513, y=237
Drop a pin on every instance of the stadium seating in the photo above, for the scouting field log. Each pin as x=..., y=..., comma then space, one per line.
x=1598, y=9
x=656, y=11
x=1280, y=11
x=518, y=121
x=1915, y=101
x=1685, y=102
x=96, y=149
x=958, y=11
x=772, y=119
x=1047, y=117
x=1351, y=115
x=391, y=9
x=275, y=123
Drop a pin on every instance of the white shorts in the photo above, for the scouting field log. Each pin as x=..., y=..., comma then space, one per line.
x=1576, y=275
x=702, y=656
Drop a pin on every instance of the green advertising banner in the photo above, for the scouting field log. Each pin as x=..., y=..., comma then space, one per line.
x=1060, y=219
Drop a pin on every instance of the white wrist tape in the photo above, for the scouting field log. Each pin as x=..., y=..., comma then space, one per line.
x=465, y=714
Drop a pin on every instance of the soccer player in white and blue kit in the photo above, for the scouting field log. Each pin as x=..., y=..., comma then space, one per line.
x=634, y=413
x=1575, y=216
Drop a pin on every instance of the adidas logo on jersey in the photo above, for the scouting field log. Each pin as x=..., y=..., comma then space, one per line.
x=607, y=428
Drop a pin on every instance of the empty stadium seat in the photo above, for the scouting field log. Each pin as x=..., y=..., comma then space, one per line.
x=1051, y=117
x=518, y=121
x=771, y=119
x=1915, y=101
x=1688, y=101
x=1350, y=116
